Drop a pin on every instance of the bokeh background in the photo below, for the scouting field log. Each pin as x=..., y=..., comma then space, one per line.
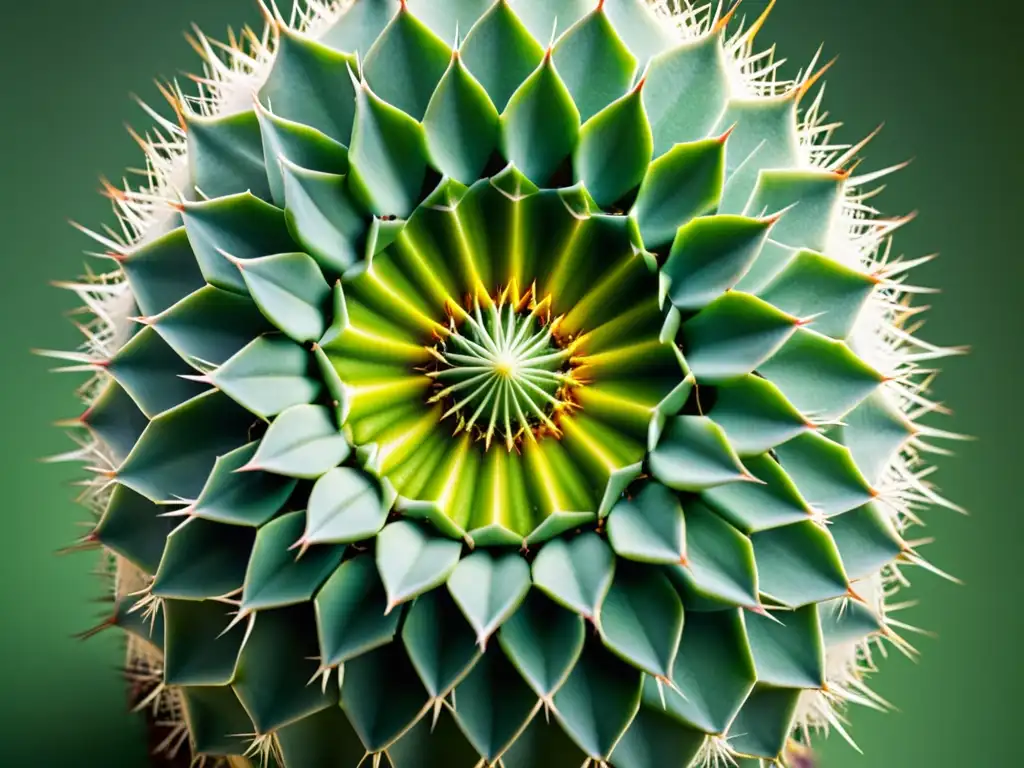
x=944, y=76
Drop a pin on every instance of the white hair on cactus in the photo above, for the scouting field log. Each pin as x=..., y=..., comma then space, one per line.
x=715, y=752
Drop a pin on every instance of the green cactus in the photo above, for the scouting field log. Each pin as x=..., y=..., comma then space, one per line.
x=502, y=382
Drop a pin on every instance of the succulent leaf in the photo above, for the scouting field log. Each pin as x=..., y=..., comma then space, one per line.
x=246, y=498
x=275, y=577
x=461, y=123
x=577, y=574
x=500, y=52
x=405, y=63
x=239, y=226
x=540, y=124
x=489, y=590
x=345, y=505
x=267, y=376
x=650, y=528
x=387, y=156
x=308, y=84
x=350, y=612
x=594, y=63
x=226, y=155
x=614, y=150
x=411, y=562
x=302, y=442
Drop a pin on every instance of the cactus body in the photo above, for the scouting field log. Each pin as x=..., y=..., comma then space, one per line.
x=502, y=382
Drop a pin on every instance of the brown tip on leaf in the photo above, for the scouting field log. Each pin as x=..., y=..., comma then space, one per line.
x=774, y=218
x=684, y=561
x=233, y=259
x=142, y=320
x=728, y=132
x=179, y=207
x=250, y=467
x=726, y=18
x=547, y=54
x=175, y=104
x=600, y=5
x=800, y=322
x=751, y=478
x=852, y=594
x=93, y=631
x=640, y=84
x=194, y=43
x=842, y=174
x=390, y=607
x=754, y=28
x=267, y=14
x=108, y=190
x=801, y=90
x=403, y=5
x=759, y=609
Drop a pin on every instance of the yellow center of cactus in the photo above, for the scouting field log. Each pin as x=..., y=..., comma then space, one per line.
x=506, y=378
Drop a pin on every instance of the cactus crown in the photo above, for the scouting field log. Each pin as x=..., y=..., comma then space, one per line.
x=468, y=359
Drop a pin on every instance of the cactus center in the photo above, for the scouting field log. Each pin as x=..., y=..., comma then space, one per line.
x=501, y=370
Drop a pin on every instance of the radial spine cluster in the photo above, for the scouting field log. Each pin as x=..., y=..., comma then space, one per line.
x=502, y=383
x=503, y=370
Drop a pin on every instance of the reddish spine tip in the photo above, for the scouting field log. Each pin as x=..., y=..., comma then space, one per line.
x=640, y=84
x=850, y=593
x=600, y=5
x=724, y=21
x=547, y=54
x=725, y=136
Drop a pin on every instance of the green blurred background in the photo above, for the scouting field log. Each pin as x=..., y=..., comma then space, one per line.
x=944, y=77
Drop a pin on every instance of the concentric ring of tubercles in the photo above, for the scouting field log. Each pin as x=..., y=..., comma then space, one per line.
x=297, y=278
x=503, y=370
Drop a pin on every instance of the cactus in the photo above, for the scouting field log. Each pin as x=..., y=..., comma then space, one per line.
x=502, y=382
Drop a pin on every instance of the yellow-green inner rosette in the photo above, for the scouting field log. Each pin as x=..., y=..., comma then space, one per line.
x=505, y=359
